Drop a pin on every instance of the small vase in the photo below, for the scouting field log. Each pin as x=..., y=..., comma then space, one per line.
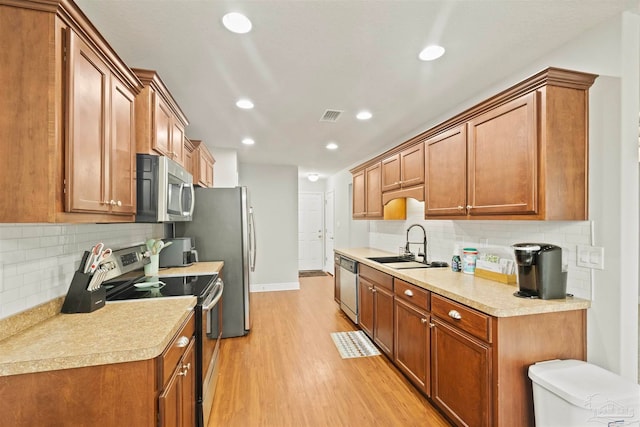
x=151, y=269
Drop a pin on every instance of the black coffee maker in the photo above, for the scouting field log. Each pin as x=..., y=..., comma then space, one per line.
x=540, y=273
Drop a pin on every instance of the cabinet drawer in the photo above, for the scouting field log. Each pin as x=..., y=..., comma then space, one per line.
x=174, y=351
x=412, y=293
x=376, y=276
x=469, y=320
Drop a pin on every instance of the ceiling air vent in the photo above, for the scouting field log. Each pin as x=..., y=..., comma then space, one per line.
x=331, y=116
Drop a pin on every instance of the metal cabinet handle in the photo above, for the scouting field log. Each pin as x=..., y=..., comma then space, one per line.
x=460, y=208
x=182, y=342
x=423, y=321
x=371, y=288
x=374, y=290
x=408, y=292
x=469, y=207
x=183, y=373
x=119, y=203
x=432, y=325
x=455, y=315
x=186, y=367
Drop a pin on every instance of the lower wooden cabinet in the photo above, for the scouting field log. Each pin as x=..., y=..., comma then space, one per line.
x=375, y=307
x=177, y=400
x=461, y=375
x=412, y=337
x=145, y=393
x=336, y=278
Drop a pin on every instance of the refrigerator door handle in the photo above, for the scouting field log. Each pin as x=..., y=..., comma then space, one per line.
x=252, y=240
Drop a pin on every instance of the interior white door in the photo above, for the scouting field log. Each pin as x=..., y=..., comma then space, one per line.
x=310, y=231
x=328, y=231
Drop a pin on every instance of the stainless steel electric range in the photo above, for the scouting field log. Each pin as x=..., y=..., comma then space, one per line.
x=128, y=282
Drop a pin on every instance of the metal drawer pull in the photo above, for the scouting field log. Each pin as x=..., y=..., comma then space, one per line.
x=408, y=292
x=186, y=367
x=455, y=315
x=423, y=320
x=432, y=325
x=182, y=342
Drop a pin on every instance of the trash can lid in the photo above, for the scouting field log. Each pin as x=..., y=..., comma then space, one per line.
x=580, y=382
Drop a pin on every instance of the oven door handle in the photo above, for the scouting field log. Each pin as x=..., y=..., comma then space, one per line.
x=218, y=295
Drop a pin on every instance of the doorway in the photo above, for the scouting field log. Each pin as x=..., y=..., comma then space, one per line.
x=310, y=231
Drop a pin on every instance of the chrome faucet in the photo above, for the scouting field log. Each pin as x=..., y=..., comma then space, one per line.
x=407, y=250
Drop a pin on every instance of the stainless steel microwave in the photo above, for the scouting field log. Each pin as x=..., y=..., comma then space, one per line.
x=164, y=190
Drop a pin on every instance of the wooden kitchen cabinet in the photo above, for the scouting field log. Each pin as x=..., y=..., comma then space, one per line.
x=503, y=156
x=446, y=172
x=143, y=393
x=461, y=363
x=203, y=168
x=177, y=400
x=160, y=123
x=403, y=169
x=375, y=307
x=189, y=157
x=367, y=193
x=412, y=334
x=69, y=156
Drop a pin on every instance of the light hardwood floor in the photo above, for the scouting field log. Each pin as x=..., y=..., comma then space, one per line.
x=287, y=371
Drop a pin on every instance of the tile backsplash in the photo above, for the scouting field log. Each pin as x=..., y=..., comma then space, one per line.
x=37, y=261
x=444, y=235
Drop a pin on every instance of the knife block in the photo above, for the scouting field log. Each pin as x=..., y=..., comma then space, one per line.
x=79, y=299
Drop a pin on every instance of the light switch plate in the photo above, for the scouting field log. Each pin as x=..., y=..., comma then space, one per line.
x=590, y=257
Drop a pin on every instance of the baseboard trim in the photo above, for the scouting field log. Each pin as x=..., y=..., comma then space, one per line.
x=272, y=287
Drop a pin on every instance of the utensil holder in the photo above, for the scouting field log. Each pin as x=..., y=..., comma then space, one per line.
x=151, y=269
x=79, y=299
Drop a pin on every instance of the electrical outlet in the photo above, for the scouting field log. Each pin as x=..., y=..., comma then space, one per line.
x=590, y=257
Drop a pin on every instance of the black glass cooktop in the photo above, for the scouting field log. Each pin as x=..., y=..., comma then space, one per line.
x=158, y=287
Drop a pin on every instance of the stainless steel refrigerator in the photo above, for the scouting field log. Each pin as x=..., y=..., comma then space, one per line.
x=224, y=230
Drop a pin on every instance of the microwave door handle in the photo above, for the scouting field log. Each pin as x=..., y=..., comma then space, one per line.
x=193, y=199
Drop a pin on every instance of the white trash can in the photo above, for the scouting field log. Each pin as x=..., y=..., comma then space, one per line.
x=572, y=393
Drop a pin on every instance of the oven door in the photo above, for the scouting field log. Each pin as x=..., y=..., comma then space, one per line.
x=211, y=335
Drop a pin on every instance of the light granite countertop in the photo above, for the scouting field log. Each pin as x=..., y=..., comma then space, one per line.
x=487, y=296
x=43, y=339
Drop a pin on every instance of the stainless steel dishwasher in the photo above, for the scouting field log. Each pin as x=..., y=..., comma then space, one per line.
x=349, y=288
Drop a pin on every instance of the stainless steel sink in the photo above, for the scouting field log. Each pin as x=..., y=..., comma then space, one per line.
x=398, y=262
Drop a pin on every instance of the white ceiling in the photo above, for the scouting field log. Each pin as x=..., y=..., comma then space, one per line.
x=303, y=57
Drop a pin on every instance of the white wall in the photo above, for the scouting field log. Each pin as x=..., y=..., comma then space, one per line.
x=347, y=232
x=273, y=193
x=612, y=51
x=37, y=261
x=225, y=169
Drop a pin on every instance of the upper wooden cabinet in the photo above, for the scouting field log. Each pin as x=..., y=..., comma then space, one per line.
x=367, y=193
x=160, y=121
x=68, y=132
x=203, y=165
x=446, y=171
x=403, y=169
x=522, y=154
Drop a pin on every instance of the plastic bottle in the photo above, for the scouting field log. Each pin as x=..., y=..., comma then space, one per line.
x=456, y=263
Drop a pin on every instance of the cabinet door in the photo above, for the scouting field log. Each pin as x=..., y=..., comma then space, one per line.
x=358, y=189
x=460, y=375
x=412, y=337
x=210, y=175
x=170, y=401
x=374, y=191
x=162, y=121
x=383, y=319
x=88, y=128
x=446, y=172
x=365, y=306
x=412, y=166
x=336, y=282
x=188, y=392
x=123, y=157
x=177, y=142
x=391, y=173
x=503, y=159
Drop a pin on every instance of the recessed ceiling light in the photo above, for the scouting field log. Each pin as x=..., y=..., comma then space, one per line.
x=236, y=22
x=313, y=177
x=332, y=146
x=245, y=104
x=432, y=52
x=364, y=115
x=248, y=141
